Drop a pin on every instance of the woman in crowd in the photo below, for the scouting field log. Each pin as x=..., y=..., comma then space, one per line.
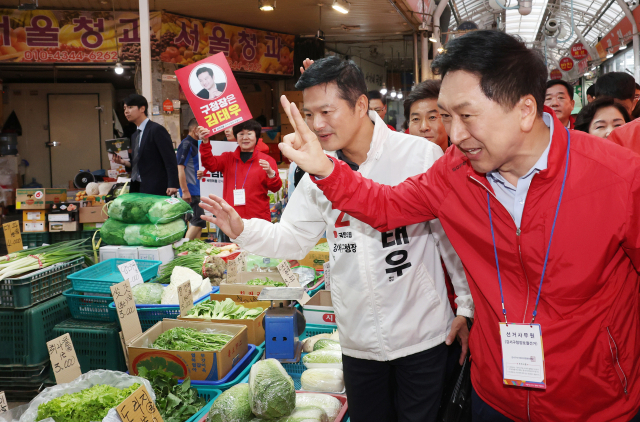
x=248, y=173
x=601, y=116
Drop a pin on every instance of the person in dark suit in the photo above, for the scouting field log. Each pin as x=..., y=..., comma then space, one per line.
x=211, y=89
x=154, y=168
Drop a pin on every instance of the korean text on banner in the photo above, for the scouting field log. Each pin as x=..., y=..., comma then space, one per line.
x=213, y=94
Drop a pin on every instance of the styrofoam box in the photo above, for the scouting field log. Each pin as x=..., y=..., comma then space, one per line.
x=127, y=252
x=108, y=252
x=163, y=254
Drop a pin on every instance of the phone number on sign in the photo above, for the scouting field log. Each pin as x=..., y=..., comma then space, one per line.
x=48, y=55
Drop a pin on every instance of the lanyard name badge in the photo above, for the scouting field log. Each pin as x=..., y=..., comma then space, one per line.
x=239, y=197
x=522, y=352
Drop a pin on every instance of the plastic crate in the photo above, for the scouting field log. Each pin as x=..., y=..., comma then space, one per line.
x=38, y=286
x=34, y=240
x=57, y=237
x=88, y=307
x=97, y=344
x=319, y=287
x=100, y=277
x=24, y=333
x=88, y=234
x=24, y=374
x=235, y=371
x=295, y=370
x=211, y=397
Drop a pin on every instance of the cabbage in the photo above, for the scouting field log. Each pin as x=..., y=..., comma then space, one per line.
x=199, y=287
x=114, y=232
x=326, y=344
x=305, y=414
x=271, y=390
x=323, y=356
x=323, y=380
x=232, y=406
x=329, y=404
x=148, y=293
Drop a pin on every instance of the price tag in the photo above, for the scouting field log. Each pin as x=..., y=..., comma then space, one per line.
x=126, y=310
x=139, y=407
x=130, y=271
x=12, y=236
x=242, y=261
x=63, y=359
x=185, y=298
x=327, y=275
x=288, y=276
x=3, y=402
x=232, y=272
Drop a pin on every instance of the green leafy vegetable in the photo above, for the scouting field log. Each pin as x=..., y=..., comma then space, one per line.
x=227, y=309
x=326, y=344
x=232, y=406
x=323, y=356
x=142, y=208
x=88, y=405
x=272, y=393
x=266, y=282
x=190, y=339
x=175, y=402
x=192, y=261
x=158, y=362
x=147, y=293
x=114, y=232
x=197, y=246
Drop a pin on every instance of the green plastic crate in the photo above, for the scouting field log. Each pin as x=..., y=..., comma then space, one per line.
x=34, y=240
x=57, y=237
x=24, y=374
x=24, y=333
x=88, y=234
x=23, y=292
x=97, y=344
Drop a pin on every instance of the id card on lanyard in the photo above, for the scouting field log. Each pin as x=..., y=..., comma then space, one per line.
x=522, y=351
x=239, y=197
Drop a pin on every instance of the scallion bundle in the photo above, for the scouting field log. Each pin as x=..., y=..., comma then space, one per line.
x=192, y=261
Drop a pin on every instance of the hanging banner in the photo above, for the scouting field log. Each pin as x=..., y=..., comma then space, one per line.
x=578, y=52
x=555, y=74
x=65, y=36
x=583, y=65
x=213, y=94
x=566, y=64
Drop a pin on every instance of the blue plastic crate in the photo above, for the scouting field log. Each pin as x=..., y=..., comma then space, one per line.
x=215, y=289
x=100, y=277
x=233, y=374
x=89, y=308
x=211, y=396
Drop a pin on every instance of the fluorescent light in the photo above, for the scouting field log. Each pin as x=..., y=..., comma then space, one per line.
x=118, y=69
x=341, y=6
x=267, y=5
x=623, y=46
x=432, y=39
x=383, y=90
x=393, y=93
x=399, y=96
x=609, y=53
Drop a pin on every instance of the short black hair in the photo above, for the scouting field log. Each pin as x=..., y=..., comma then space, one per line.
x=619, y=85
x=137, y=100
x=507, y=69
x=376, y=95
x=588, y=112
x=426, y=90
x=345, y=73
x=591, y=90
x=203, y=70
x=565, y=84
x=248, y=125
x=192, y=123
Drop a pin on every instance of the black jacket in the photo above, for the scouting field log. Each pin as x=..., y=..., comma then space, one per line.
x=157, y=165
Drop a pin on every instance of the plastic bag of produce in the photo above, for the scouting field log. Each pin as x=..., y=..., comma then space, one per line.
x=147, y=293
x=232, y=406
x=329, y=404
x=98, y=377
x=323, y=380
x=327, y=344
x=307, y=274
x=114, y=232
x=142, y=208
x=323, y=359
x=305, y=414
x=262, y=264
x=271, y=390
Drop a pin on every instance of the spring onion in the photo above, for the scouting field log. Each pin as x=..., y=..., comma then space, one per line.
x=192, y=261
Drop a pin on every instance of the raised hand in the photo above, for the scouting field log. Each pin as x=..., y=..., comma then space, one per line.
x=226, y=217
x=303, y=147
x=267, y=168
x=202, y=134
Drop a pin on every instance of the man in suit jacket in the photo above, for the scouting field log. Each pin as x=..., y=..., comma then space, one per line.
x=154, y=168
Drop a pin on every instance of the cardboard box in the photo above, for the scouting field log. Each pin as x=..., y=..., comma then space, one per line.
x=71, y=226
x=55, y=196
x=315, y=259
x=127, y=252
x=34, y=226
x=39, y=199
x=255, y=331
x=293, y=97
x=39, y=215
x=93, y=215
x=242, y=288
x=319, y=309
x=199, y=366
x=108, y=252
x=91, y=226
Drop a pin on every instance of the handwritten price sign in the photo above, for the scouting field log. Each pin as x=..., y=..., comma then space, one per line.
x=63, y=359
x=185, y=298
x=12, y=236
x=130, y=271
x=139, y=407
x=126, y=309
x=289, y=277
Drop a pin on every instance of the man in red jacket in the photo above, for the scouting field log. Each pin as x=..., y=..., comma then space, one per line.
x=547, y=224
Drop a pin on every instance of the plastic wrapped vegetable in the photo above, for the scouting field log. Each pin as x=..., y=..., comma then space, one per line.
x=232, y=406
x=262, y=264
x=147, y=293
x=114, y=232
x=305, y=414
x=327, y=344
x=323, y=359
x=329, y=404
x=142, y=208
x=271, y=390
x=323, y=380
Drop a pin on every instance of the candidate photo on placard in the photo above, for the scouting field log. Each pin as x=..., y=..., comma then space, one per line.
x=207, y=81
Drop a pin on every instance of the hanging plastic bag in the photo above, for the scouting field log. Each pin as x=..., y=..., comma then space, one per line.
x=142, y=208
x=114, y=232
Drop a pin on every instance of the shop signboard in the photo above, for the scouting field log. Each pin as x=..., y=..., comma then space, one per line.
x=612, y=39
x=582, y=66
x=566, y=64
x=555, y=74
x=578, y=52
x=67, y=36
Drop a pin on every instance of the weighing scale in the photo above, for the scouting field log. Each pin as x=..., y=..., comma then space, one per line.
x=283, y=325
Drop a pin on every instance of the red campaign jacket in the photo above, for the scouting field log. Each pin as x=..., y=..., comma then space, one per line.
x=588, y=308
x=257, y=185
x=627, y=135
